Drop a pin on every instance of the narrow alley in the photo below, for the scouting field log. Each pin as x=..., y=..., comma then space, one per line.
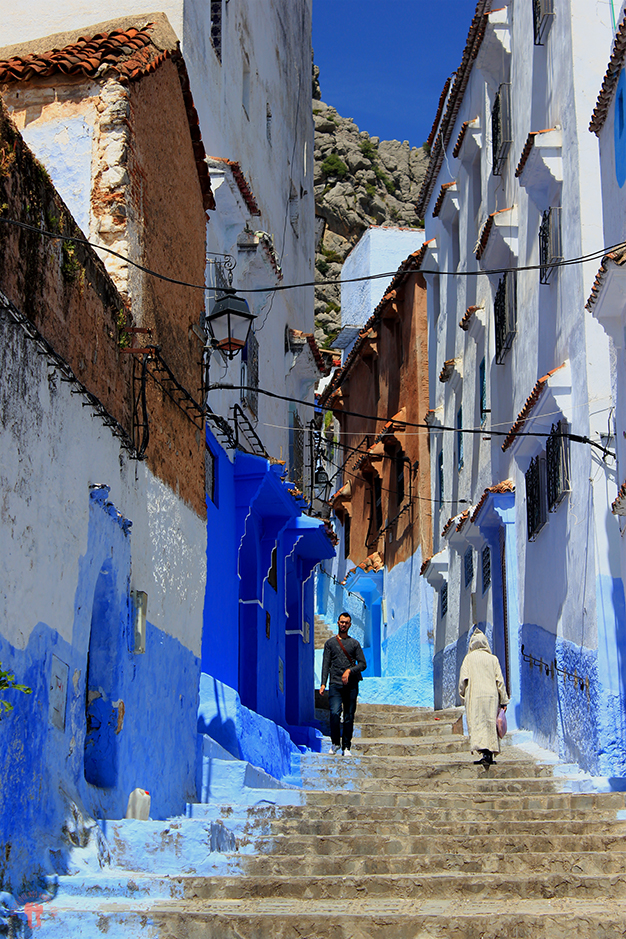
x=407, y=839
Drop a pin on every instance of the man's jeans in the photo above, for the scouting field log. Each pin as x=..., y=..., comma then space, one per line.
x=342, y=696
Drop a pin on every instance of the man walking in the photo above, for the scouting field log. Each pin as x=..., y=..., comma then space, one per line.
x=344, y=659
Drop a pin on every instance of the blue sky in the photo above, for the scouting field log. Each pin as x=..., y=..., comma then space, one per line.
x=384, y=62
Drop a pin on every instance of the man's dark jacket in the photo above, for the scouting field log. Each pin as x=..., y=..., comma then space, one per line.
x=336, y=661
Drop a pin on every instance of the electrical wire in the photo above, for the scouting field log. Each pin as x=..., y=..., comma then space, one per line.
x=576, y=438
x=594, y=256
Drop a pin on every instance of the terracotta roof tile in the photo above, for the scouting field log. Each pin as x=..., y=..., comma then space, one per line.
x=618, y=507
x=425, y=566
x=459, y=140
x=617, y=257
x=530, y=142
x=610, y=79
x=506, y=486
x=466, y=319
x=454, y=100
x=530, y=403
x=446, y=372
x=242, y=184
x=129, y=54
x=463, y=519
x=439, y=112
x=441, y=197
x=486, y=231
x=449, y=524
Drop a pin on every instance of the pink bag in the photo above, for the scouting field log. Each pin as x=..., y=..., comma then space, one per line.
x=501, y=723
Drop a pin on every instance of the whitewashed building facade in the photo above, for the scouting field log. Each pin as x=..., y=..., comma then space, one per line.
x=520, y=379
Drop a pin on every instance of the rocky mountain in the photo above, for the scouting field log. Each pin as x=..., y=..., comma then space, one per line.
x=359, y=181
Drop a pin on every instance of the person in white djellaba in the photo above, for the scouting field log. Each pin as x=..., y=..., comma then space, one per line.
x=482, y=689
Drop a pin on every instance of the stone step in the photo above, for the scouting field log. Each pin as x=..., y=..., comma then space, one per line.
x=426, y=824
x=371, y=845
x=398, y=746
x=394, y=714
x=490, y=801
x=579, y=862
x=481, y=782
x=474, y=885
x=364, y=918
x=378, y=729
x=424, y=767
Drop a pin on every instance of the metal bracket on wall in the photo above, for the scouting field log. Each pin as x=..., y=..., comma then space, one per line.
x=552, y=668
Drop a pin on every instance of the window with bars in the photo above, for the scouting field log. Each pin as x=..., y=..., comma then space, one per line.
x=443, y=600
x=459, y=438
x=209, y=473
x=557, y=464
x=399, y=463
x=486, y=565
x=468, y=566
x=505, y=314
x=296, y=450
x=482, y=389
x=441, y=490
x=377, y=494
x=215, y=12
x=550, y=248
x=346, y=536
x=535, y=496
x=501, y=132
x=543, y=11
x=250, y=374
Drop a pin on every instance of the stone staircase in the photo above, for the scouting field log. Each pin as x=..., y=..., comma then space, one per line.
x=408, y=839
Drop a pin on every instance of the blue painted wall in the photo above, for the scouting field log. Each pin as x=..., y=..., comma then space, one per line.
x=254, y=639
x=148, y=713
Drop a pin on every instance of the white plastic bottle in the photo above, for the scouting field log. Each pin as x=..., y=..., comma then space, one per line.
x=139, y=805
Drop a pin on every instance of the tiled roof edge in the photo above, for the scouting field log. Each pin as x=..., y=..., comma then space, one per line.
x=530, y=403
x=609, y=82
x=506, y=485
x=472, y=45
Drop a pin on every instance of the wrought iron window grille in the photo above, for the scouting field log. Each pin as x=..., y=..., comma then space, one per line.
x=501, y=131
x=209, y=473
x=486, y=565
x=468, y=565
x=535, y=496
x=543, y=11
x=459, y=439
x=250, y=374
x=550, y=247
x=443, y=600
x=441, y=478
x=557, y=464
x=505, y=314
x=297, y=450
x=216, y=27
x=482, y=381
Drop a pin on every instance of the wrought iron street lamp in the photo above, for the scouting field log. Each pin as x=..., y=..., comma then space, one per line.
x=229, y=323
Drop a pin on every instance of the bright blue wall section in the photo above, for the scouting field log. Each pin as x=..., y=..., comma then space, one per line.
x=220, y=642
x=42, y=767
x=244, y=733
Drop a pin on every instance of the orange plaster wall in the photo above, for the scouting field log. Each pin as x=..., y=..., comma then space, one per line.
x=401, y=385
x=166, y=192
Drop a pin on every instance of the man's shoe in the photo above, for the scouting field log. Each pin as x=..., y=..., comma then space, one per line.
x=346, y=752
x=333, y=749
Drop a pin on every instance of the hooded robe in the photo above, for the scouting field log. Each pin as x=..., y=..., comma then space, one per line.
x=481, y=688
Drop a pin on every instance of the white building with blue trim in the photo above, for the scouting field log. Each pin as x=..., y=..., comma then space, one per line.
x=521, y=411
